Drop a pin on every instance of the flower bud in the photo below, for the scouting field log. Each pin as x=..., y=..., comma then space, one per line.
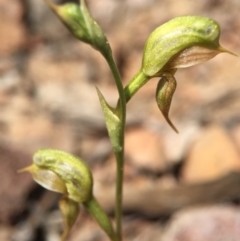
x=80, y=23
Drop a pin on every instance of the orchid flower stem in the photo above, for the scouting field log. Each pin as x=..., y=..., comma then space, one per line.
x=135, y=84
x=119, y=154
x=100, y=216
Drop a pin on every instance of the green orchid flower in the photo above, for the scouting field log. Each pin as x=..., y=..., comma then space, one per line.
x=179, y=43
x=64, y=173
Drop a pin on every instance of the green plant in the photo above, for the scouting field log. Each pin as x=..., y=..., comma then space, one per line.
x=179, y=43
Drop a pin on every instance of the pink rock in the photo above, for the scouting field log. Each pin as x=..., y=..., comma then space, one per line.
x=219, y=223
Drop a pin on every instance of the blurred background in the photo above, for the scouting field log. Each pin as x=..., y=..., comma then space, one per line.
x=177, y=187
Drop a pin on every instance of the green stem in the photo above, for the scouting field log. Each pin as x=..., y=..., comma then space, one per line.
x=119, y=193
x=121, y=111
x=135, y=84
x=118, y=81
x=124, y=96
x=100, y=216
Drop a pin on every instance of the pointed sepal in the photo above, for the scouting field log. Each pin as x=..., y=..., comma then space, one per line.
x=165, y=90
x=70, y=210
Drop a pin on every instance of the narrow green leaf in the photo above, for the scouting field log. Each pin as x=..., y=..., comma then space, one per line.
x=113, y=123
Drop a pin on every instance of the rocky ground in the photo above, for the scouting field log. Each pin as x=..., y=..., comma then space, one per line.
x=181, y=187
